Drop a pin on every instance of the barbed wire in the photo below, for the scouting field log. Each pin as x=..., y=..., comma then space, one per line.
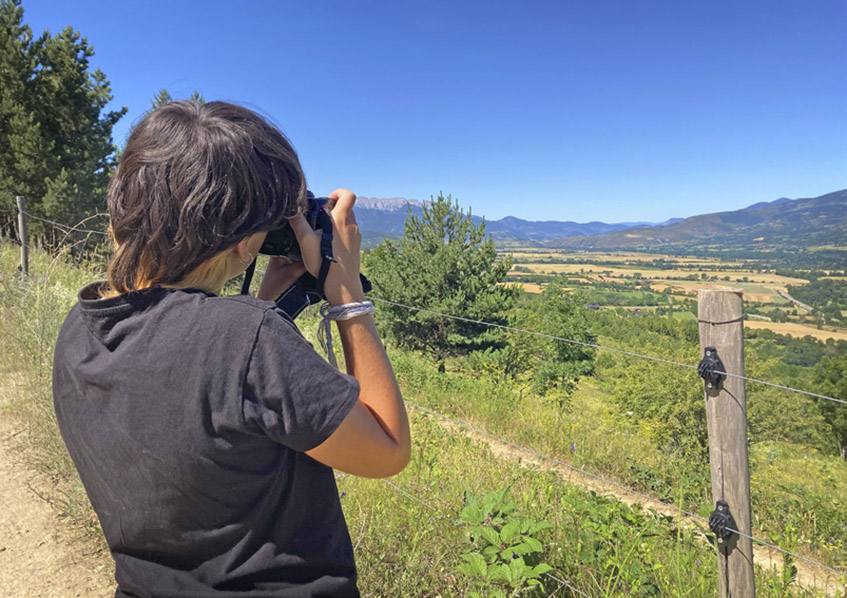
x=788, y=552
x=612, y=483
x=408, y=495
x=70, y=228
x=603, y=348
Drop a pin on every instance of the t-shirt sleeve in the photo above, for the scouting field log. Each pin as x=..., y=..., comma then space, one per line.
x=291, y=393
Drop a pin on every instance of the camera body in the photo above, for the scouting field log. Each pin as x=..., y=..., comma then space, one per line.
x=307, y=290
x=282, y=242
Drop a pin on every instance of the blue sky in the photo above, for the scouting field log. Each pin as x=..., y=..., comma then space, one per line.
x=616, y=110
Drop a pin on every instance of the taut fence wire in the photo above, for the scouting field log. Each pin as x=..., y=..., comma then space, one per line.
x=618, y=485
x=603, y=348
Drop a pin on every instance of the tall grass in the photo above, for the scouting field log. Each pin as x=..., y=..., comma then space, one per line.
x=31, y=313
x=409, y=544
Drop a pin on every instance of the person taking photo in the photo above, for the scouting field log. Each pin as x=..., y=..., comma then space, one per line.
x=205, y=428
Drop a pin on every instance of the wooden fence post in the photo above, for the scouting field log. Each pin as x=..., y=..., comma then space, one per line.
x=720, y=312
x=23, y=236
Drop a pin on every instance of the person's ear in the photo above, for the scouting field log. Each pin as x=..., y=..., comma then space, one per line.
x=242, y=251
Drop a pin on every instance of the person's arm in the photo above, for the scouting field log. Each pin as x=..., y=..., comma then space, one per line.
x=374, y=439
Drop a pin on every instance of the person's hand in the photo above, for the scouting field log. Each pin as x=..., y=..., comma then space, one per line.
x=280, y=274
x=343, y=284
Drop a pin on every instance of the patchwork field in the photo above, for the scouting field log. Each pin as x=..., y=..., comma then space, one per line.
x=646, y=273
x=759, y=287
x=523, y=255
x=633, y=280
x=797, y=330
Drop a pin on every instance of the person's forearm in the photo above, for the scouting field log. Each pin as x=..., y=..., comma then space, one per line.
x=367, y=361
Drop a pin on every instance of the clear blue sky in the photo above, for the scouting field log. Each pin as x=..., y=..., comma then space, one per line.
x=616, y=110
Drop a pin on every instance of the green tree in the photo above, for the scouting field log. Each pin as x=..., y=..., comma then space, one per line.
x=554, y=364
x=55, y=139
x=163, y=96
x=443, y=263
x=830, y=377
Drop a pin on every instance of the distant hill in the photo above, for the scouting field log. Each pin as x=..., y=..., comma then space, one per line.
x=762, y=204
x=515, y=229
x=778, y=225
x=379, y=218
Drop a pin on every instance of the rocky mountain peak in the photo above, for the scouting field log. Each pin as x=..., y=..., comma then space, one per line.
x=387, y=204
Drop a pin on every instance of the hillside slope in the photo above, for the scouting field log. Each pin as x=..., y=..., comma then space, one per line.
x=782, y=224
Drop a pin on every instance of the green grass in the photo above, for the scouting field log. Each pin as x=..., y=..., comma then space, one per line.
x=31, y=314
x=404, y=548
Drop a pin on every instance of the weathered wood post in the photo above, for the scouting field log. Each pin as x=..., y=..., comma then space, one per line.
x=720, y=312
x=23, y=236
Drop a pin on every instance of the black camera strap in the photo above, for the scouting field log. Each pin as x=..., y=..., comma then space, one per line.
x=325, y=222
x=248, y=278
x=327, y=258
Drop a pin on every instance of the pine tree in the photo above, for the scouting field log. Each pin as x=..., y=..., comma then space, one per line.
x=20, y=136
x=163, y=96
x=55, y=139
x=160, y=99
x=444, y=263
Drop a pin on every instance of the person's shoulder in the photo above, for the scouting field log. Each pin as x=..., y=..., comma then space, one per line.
x=265, y=313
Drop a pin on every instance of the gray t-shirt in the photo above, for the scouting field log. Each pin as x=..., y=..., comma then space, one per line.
x=187, y=416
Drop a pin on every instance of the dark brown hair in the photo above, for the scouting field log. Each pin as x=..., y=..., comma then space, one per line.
x=193, y=180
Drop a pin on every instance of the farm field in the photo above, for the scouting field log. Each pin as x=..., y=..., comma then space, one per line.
x=655, y=282
x=597, y=270
x=797, y=330
x=522, y=255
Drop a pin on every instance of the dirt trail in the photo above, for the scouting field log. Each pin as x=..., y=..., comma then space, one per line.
x=40, y=556
x=808, y=575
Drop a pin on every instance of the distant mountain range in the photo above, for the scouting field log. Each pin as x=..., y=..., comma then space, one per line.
x=780, y=224
x=379, y=218
x=783, y=224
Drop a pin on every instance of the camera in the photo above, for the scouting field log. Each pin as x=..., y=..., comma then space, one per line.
x=282, y=242
x=308, y=289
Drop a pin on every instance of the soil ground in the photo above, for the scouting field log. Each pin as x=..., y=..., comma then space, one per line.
x=40, y=555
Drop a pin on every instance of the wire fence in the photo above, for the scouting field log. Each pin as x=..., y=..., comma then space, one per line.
x=75, y=228
x=623, y=488
x=603, y=348
x=611, y=483
x=528, y=450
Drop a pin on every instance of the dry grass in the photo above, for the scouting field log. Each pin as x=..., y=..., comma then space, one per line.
x=753, y=277
x=797, y=330
x=531, y=287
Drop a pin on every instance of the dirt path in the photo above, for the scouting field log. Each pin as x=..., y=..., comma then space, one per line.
x=809, y=576
x=40, y=556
